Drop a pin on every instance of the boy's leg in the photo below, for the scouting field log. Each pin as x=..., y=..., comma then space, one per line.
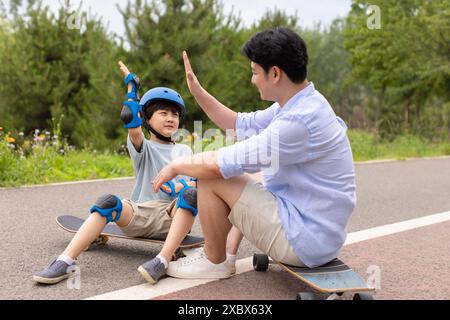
x=234, y=239
x=181, y=225
x=59, y=269
x=92, y=228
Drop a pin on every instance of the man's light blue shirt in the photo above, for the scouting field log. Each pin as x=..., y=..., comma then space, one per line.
x=305, y=156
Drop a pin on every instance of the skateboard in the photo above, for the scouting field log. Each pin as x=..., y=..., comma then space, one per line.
x=331, y=280
x=72, y=224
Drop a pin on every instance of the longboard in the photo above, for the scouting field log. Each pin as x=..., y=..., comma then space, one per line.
x=334, y=278
x=72, y=224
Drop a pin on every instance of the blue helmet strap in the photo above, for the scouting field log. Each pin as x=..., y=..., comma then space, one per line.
x=157, y=134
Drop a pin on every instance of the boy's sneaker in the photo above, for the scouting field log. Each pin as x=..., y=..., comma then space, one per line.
x=197, y=266
x=152, y=270
x=55, y=272
x=231, y=263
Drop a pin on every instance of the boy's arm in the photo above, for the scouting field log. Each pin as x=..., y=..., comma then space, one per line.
x=136, y=134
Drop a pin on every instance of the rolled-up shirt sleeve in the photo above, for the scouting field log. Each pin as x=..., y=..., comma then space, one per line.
x=251, y=123
x=285, y=141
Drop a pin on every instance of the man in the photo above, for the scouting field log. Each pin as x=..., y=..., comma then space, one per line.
x=298, y=214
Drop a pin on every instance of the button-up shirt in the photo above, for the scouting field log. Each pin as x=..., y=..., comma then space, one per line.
x=304, y=154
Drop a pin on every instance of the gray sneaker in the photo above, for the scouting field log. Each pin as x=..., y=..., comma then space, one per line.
x=152, y=270
x=55, y=272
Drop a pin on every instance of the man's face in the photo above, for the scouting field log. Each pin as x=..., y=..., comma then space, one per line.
x=261, y=80
x=165, y=122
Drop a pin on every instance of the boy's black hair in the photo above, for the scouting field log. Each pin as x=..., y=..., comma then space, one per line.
x=280, y=47
x=152, y=107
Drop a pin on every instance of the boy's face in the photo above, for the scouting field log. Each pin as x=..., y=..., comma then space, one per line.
x=165, y=122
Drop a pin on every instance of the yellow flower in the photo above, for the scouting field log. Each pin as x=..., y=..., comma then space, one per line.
x=1, y=128
x=10, y=140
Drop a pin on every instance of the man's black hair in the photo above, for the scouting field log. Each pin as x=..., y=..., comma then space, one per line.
x=280, y=47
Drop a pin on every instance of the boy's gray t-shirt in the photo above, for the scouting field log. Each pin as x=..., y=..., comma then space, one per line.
x=147, y=163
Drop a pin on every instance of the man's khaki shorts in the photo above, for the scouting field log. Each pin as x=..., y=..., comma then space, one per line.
x=255, y=214
x=150, y=219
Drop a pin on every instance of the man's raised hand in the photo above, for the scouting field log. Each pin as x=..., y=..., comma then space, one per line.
x=193, y=84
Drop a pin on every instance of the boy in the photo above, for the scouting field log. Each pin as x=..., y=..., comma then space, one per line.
x=146, y=214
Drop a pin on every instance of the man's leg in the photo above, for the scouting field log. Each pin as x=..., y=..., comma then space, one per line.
x=215, y=200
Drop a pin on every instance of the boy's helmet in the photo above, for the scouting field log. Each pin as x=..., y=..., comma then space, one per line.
x=161, y=94
x=165, y=94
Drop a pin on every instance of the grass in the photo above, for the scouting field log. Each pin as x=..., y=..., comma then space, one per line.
x=366, y=146
x=47, y=159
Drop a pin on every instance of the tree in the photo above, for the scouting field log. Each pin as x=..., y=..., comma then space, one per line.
x=405, y=62
x=52, y=70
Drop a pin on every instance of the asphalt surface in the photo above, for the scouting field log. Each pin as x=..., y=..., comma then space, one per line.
x=387, y=193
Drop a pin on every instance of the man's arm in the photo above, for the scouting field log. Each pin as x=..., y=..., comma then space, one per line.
x=222, y=116
x=201, y=165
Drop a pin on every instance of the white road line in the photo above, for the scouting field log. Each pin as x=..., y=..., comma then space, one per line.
x=389, y=229
x=170, y=285
x=166, y=286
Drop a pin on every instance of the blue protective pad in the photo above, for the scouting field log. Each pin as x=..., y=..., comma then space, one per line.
x=171, y=185
x=129, y=114
x=132, y=95
x=106, y=205
x=187, y=199
x=135, y=86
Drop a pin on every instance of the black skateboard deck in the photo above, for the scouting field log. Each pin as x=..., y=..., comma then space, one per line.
x=334, y=278
x=72, y=224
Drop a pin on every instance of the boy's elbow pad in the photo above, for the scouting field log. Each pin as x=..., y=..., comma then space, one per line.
x=130, y=115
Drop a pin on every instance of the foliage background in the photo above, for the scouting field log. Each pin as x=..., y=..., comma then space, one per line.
x=390, y=82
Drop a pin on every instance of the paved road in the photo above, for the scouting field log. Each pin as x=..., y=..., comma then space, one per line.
x=387, y=192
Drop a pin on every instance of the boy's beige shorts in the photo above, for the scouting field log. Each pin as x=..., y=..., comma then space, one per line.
x=150, y=219
x=255, y=214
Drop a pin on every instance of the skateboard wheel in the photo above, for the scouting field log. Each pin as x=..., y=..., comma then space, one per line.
x=260, y=262
x=362, y=296
x=305, y=296
x=102, y=240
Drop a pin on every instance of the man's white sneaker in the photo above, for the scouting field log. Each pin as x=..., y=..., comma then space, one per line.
x=231, y=263
x=197, y=266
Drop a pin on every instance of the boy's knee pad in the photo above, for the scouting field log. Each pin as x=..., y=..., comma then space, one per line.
x=106, y=205
x=187, y=199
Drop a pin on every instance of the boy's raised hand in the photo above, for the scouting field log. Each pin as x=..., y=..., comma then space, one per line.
x=124, y=69
x=193, y=84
